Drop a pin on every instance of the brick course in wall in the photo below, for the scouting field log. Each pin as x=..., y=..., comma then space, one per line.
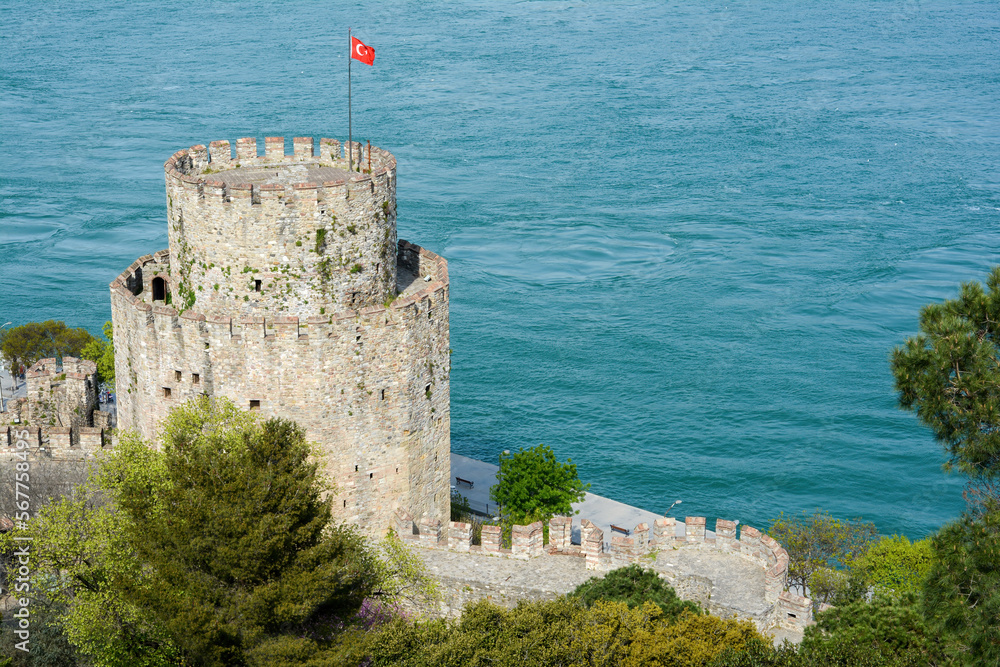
x=293, y=297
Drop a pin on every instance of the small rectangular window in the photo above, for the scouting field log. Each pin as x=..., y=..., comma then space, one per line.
x=195, y=378
x=177, y=375
x=166, y=392
x=383, y=394
x=255, y=405
x=256, y=285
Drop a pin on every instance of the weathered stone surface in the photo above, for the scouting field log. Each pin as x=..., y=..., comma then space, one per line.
x=279, y=286
x=727, y=584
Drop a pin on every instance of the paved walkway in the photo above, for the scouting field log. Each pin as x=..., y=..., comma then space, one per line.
x=602, y=511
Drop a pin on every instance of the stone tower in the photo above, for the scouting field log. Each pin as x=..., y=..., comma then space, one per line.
x=284, y=289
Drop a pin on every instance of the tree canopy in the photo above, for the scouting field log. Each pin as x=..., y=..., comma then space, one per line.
x=949, y=374
x=533, y=486
x=962, y=590
x=26, y=344
x=635, y=586
x=215, y=549
x=102, y=352
x=817, y=545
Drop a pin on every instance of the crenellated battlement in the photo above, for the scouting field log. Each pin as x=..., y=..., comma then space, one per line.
x=280, y=233
x=285, y=290
x=645, y=545
x=58, y=443
x=194, y=168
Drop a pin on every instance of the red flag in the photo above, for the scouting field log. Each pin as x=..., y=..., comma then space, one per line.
x=359, y=51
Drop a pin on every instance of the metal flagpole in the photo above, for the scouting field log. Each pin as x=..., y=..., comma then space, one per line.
x=350, y=56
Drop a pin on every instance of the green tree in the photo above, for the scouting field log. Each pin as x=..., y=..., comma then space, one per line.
x=894, y=565
x=817, y=544
x=634, y=586
x=26, y=344
x=102, y=352
x=887, y=631
x=949, y=374
x=962, y=590
x=561, y=633
x=533, y=486
x=236, y=539
x=215, y=549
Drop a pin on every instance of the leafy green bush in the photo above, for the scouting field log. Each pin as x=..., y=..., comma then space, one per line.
x=560, y=633
x=817, y=542
x=894, y=565
x=635, y=586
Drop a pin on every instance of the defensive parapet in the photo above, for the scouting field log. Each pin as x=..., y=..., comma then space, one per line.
x=299, y=303
x=59, y=443
x=639, y=546
x=282, y=234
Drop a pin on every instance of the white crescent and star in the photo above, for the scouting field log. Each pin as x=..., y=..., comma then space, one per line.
x=361, y=50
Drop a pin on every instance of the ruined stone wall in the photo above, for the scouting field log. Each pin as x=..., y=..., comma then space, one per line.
x=57, y=443
x=314, y=245
x=62, y=396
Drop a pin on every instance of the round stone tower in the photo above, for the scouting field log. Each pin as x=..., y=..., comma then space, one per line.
x=284, y=289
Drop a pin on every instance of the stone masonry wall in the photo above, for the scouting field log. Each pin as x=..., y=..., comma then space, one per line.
x=313, y=244
x=773, y=606
x=62, y=396
x=369, y=383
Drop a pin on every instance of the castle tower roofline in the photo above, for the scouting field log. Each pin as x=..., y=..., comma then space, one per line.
x=280, y=234
x=198, y=166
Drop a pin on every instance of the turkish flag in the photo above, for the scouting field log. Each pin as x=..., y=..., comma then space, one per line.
x=359, y=51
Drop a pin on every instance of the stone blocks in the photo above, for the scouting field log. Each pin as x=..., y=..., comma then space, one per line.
x=796, y=610
x=694, y=528
x=459, y=536
x=526, y=541
x=560, y=532
x=490, y=539
x=725, y=535
x=429, y=530
x=664, y=532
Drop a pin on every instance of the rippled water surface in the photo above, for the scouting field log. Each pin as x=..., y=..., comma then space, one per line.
x=683, y=237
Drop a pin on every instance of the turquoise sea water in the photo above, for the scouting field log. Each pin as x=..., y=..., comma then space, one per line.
x=683, y=237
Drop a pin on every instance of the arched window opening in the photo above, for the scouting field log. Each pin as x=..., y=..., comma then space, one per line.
x=159, y=289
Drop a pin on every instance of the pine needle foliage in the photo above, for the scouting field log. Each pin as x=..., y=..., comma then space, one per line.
x=949, y=374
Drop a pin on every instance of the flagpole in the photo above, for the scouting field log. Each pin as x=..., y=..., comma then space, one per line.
x=350, y=54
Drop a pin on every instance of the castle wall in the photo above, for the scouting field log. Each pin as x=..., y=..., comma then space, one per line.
x=370, y=386
x=314, y=247
x=63, y=396
x=731, y=578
